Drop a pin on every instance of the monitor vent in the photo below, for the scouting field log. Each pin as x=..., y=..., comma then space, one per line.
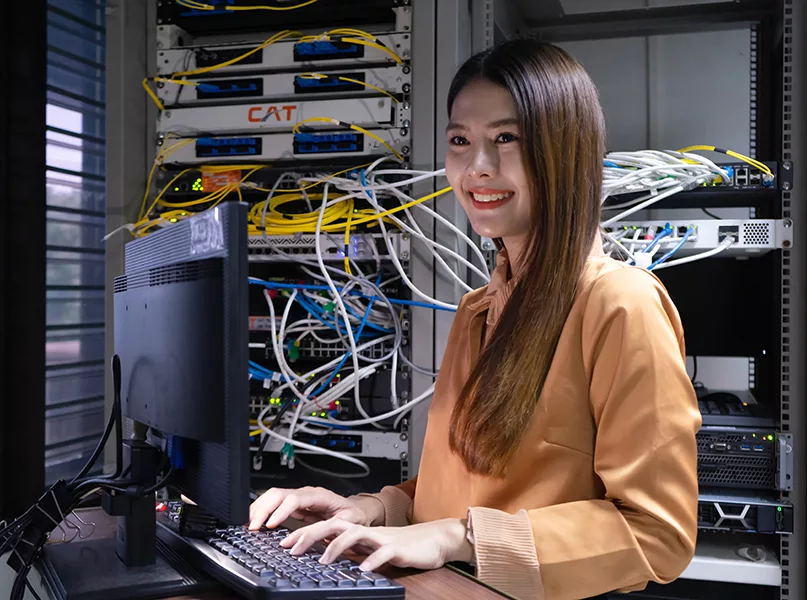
x=170, y=274
x=756, y=234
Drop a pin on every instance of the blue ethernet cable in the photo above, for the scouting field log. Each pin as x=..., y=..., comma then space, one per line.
x=677, y=247
x=294, y=286
x=342, y=362
x=667, y=230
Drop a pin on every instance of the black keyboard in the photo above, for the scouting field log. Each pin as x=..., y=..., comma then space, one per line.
x=253, y=564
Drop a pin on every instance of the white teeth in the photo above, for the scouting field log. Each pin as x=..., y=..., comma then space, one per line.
x=491, y=197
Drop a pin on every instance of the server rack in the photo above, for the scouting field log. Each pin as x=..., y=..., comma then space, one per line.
x=776, y=132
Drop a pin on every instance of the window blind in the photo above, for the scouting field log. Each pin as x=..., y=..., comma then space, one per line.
x=75, y=120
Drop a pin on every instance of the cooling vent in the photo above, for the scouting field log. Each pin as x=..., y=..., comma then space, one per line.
x=739, y=471
x=181, y=273
x=756, y=234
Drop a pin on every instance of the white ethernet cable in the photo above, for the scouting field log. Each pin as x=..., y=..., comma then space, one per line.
x=724, y=245
x=354, y=353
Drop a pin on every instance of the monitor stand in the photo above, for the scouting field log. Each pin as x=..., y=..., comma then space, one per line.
x=128, y=565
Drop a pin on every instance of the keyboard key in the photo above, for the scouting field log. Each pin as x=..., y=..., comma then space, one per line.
x=322, y=581
x=340, y=579
x=282, y=583
x=378, y=580
x=264, y=572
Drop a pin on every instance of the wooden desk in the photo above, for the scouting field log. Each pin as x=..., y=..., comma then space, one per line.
x=441, y=584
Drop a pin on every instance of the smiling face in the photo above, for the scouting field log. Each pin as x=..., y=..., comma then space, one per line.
x=485, y=163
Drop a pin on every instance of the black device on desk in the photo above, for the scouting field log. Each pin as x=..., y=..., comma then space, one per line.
x=181, y=335
x=254, y=563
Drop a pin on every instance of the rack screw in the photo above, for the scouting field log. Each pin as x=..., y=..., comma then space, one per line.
x=787, y=165
x=786, y=185
x=404, y=455
x=404, y=437
x=788, y=223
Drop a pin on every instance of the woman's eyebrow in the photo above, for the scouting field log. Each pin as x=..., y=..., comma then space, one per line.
x=491, y=125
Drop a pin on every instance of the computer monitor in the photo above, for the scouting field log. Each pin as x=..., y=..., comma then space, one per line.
x=181, y=333
x=181, y=315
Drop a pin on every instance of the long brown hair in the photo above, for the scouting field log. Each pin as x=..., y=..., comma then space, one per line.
x=563, y=141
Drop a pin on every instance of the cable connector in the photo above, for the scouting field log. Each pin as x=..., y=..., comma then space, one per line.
x=644, y=259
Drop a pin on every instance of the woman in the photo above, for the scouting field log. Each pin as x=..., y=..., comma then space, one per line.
x=560, y=453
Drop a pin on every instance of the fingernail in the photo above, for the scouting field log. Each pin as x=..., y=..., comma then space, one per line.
x=364, y=568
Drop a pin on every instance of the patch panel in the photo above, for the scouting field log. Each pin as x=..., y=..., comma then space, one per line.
x=175, y=20
x=362, y=247
x=751, y=236
x=744, y=514
x=282, y=86
x=291, y=147
x=257, y=117
x=286, y=55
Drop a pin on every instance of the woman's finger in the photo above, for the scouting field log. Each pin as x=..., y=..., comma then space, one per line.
x=302, y=539
x=378, y=558
x=290, y=504
x=264, y=506
x=353, y=535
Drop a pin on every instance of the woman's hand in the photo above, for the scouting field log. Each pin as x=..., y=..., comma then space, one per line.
x=311, y=505
x=423, y=546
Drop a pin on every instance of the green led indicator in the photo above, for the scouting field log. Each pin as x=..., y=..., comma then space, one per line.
x=770, y=438
x=779, y=508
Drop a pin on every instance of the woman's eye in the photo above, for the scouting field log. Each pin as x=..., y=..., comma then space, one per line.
x=504, y=138
x=458, y=140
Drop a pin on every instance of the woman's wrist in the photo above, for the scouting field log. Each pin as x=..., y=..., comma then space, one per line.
x=458, y=545
x=372, y=508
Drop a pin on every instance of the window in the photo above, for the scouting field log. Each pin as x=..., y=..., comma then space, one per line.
x=75, y=225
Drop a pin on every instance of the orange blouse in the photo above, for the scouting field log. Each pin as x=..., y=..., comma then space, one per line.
x=602, y=494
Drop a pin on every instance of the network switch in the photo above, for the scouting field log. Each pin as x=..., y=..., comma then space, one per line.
x=287, y=55
x=282, y=86
x=748, y=237
x=744, y=514
x=282, y=147
x=364, y=246
x=282, y=116
x=368, y=444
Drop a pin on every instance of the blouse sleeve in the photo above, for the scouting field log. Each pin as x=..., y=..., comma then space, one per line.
x=397, y=501
x=646, y=415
